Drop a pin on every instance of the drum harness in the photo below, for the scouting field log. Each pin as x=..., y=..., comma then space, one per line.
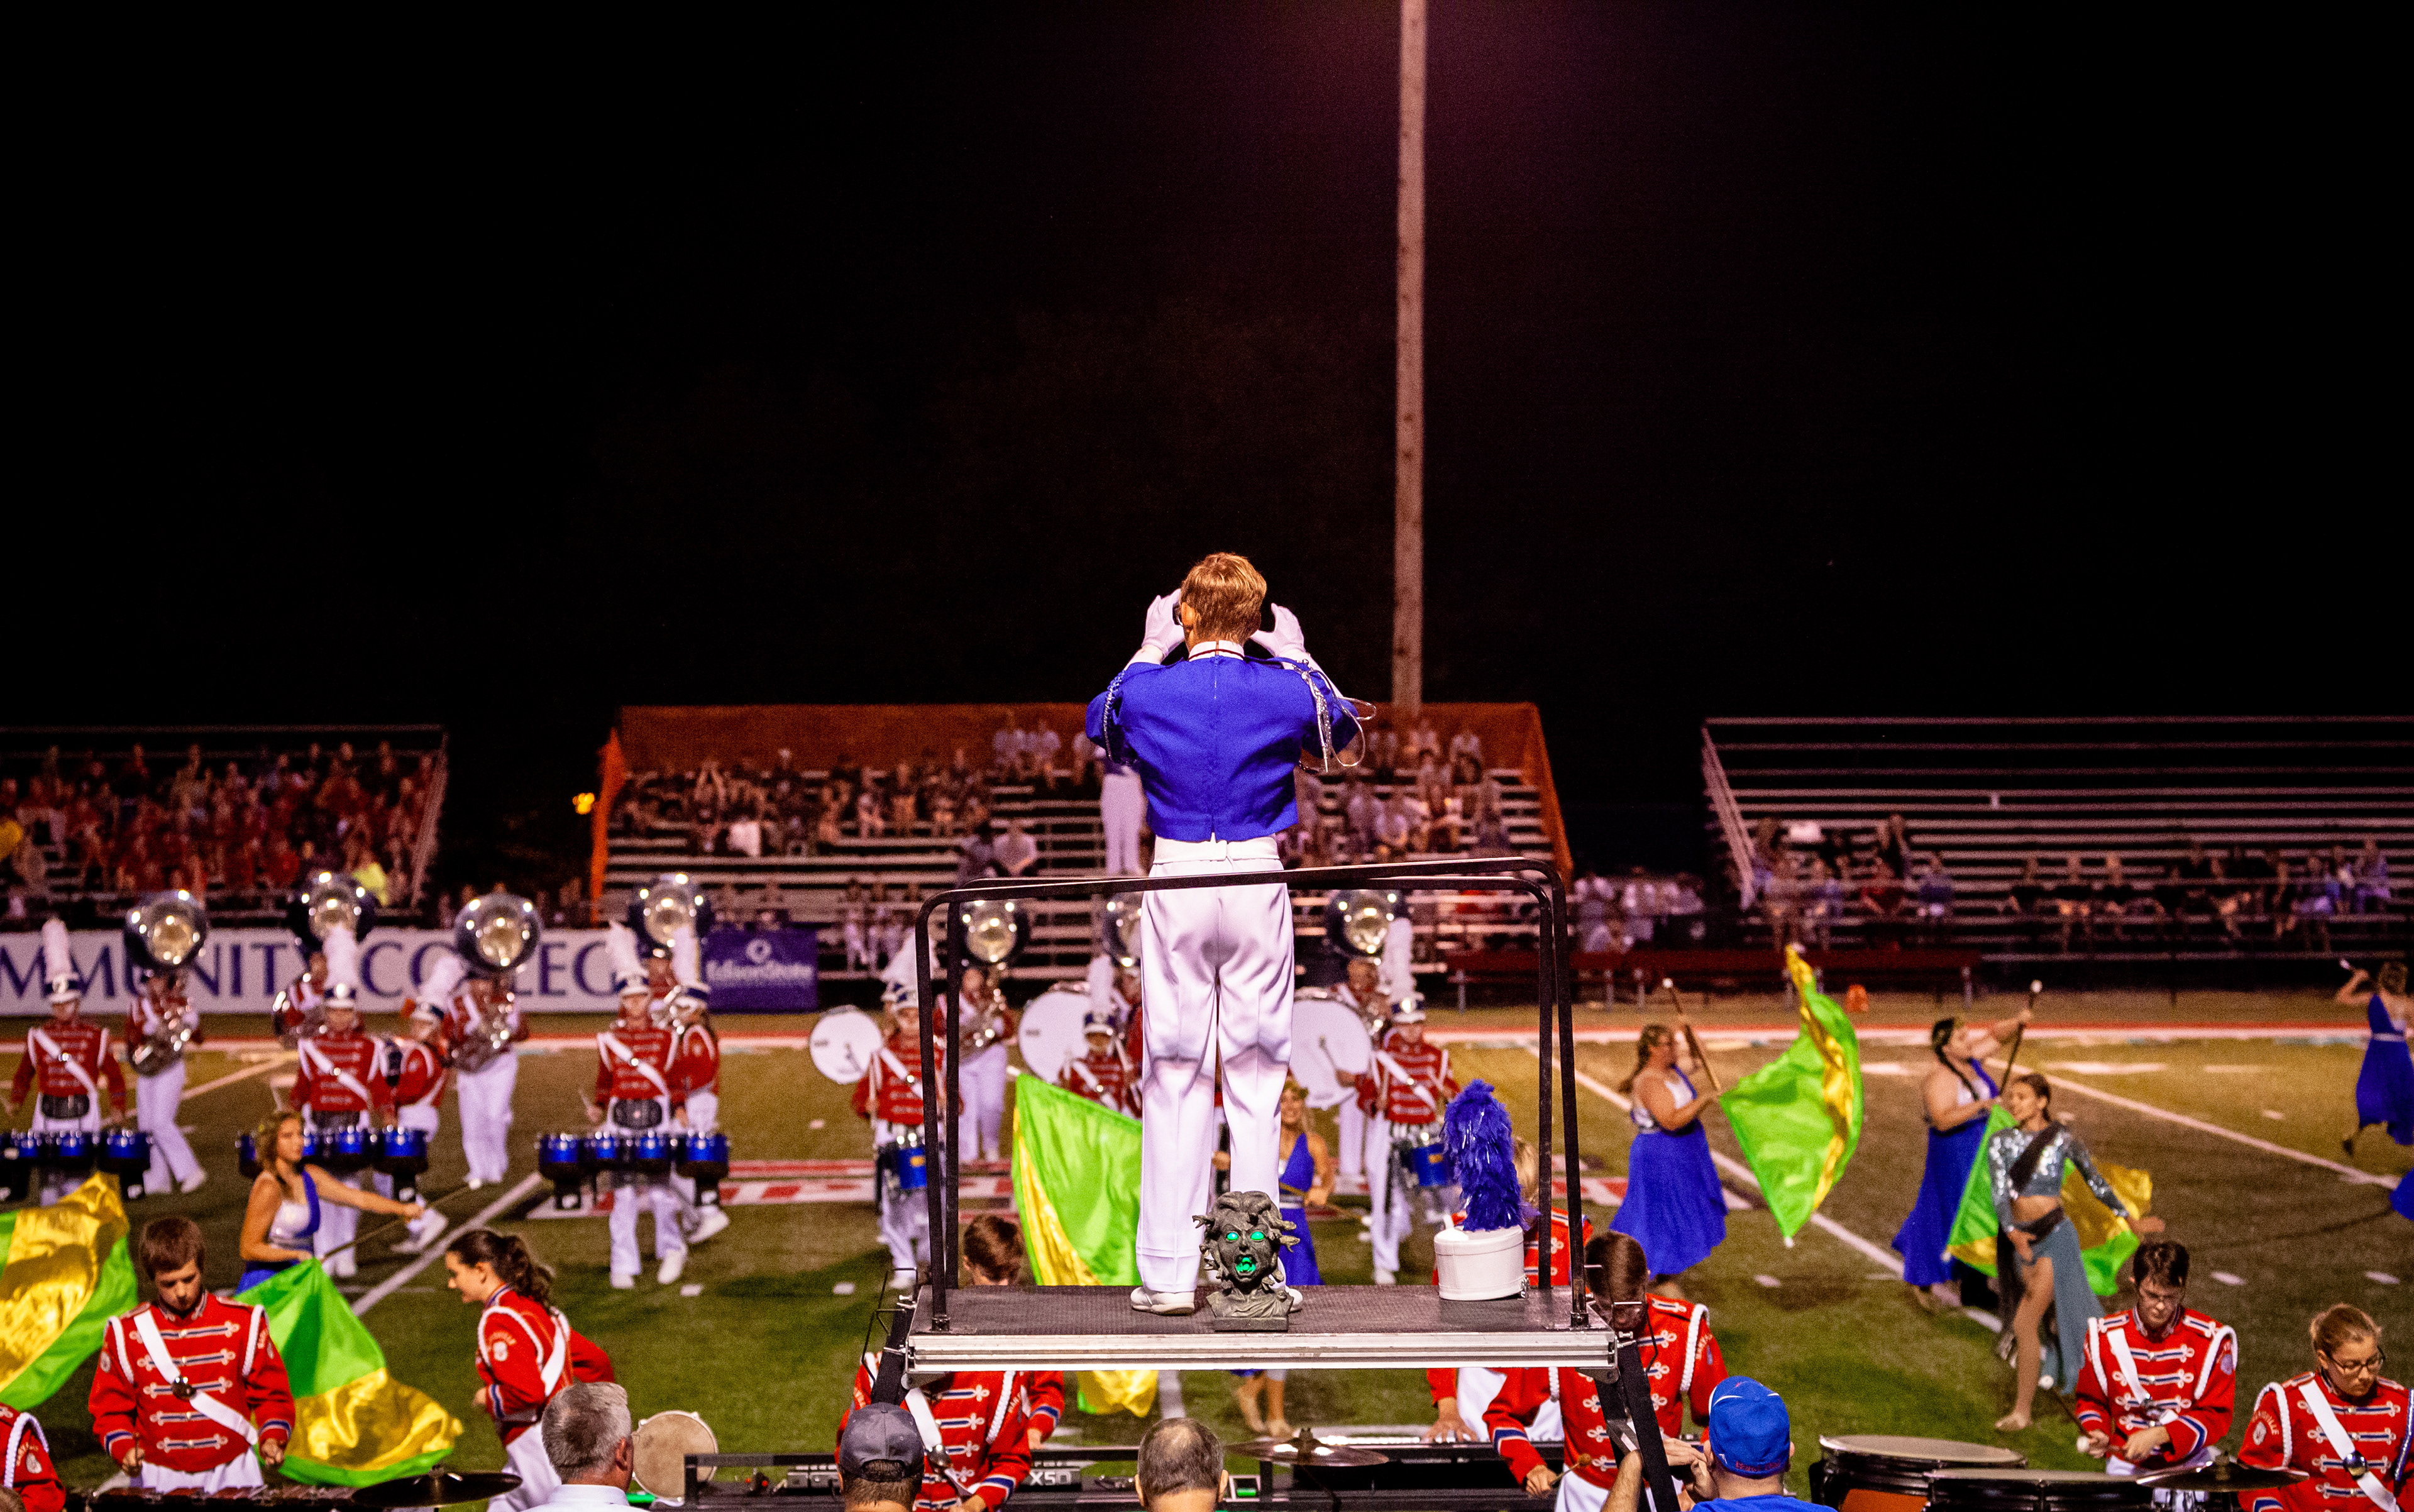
x=612, y=1046
x=935, y=1448
x=2310, y=1392
x=316, y=1060
x=202, y=1402
x=91, y=1093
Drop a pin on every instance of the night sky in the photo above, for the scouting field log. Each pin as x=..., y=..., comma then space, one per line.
x=1807, y=359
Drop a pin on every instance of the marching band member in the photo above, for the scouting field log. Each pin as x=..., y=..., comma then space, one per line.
x=26, y=1470
x=1402, y=1094
x=189, y=1385
x=416, y=1069
x=1361, y=991
x=1102, y=1074
x=995, y=1256
x=294, y=1012
x=160, y=1001
x=1461, y=1395
x=484, y=1078
x=1679, y=1356
x=281, y=1218
x=527, y=1351
x=1214, y=738
x=695, y=1070
x=890, y=1096
x=340, y=1085
x=633, y=1083
x=2343, y=1422
x=2157, y=1383
x=1674, y=1203
x=67, y=1059
x=988, y=1026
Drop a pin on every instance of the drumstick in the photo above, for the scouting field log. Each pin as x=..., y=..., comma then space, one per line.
x=1692, y=1040
x=400, y=1222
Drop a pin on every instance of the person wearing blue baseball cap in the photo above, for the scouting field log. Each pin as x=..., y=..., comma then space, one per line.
x=1747, y=1444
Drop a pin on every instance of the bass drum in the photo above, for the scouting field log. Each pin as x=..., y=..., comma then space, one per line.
x=844, y=1043
x=662, y=1443
x=1887, y=1473
x=1329, y=1048
x=1052, y=1032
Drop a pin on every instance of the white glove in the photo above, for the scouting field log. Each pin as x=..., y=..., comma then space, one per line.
x=1161, y=632
x=1285, y=638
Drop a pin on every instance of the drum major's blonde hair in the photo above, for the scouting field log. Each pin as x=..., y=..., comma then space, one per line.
x=1227, y=592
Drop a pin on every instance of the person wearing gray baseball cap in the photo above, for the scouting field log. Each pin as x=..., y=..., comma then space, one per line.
x=879, y=1460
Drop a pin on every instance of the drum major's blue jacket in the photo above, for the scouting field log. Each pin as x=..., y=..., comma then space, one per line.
x=1216, y=739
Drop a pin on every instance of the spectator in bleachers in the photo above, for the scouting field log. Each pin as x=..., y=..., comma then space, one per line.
x=1822, y=904
x=1466, y=744
x=978, y=857
x=1087, y=764
x=1780, y=901
x=1892, y=845
x=2372, y=894
x=1006, y=747
x=1382, y=750
x=2024, y=901
x=1044, y=747
x=2250, y=876
x=1424, y=740
x=1934, y=905
x=1882, y=899
x=2072, y=900
x=1360, y=809
x=2114, y=899
x=2305, y=906
x=1018, y=854
x=1492, y=833
x=1594, y=901
x=2197, y=875
x=1396, y=823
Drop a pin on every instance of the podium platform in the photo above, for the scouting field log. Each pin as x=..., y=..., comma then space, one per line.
x=1096, y=1328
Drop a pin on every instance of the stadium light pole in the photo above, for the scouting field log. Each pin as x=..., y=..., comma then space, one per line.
x=1409, y=485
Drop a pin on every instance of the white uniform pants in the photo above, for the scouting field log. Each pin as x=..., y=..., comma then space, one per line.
x=57, y=1184
x=632, y=1192
x=156, y=1101
x=1577, y=1495
x=524, y=1457
x=904, y=1216
x=1122, y=806
x=703, y=1116
x=243, y=1470
x=978, y=1126
x=1216, y=967
x=1394, y=1193
x=1353, y=1153
x=486, y=1116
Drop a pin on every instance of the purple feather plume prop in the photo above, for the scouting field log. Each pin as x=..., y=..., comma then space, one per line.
x=1476, y=1137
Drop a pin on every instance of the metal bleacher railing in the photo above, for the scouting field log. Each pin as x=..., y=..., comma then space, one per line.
x=1983, y=798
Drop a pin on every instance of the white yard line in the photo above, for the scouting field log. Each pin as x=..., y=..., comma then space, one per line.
x=2201, y=1127
x=402, y=1278
x=1742, y=1173
x=230, y=1077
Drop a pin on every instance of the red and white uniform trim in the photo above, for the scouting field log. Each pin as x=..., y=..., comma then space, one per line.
x=27, y=1469
x=1046, y=1398
x=72, y=1059
x=146, y=1013
x=891, y=1090
x=527, y=1351
x=1104, y=1077
x=2286, y=1432
x=2186, y=1382
x=984, y=1424
x=1680, y=1359
x=1413, y=1086
x=695, y=1060
x=339, y=1073
x=223, y=1350
x=422, y=1075
x=633, y=1065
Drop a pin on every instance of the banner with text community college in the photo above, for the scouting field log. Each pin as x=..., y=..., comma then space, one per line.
x=239, y=970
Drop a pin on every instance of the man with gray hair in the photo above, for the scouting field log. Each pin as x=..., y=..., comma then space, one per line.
x=1181, y=1467
x=590, y=1443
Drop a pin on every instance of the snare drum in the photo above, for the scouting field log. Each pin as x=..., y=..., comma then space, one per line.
x=246, y=1156
x=1427, y=1165
x=908, y=1165
x=18, y=1155
x=2035, y=1490
x=605, y=1152
x=403, y=1152
x=125, y=1154
x=1884, y=1473
x=345, y=1150
x=649, y=1152
x=70, y=1150
x=310, y=1144
x=703, y=1158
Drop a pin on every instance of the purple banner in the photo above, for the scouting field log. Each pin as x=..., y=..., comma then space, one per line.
x=763, y=970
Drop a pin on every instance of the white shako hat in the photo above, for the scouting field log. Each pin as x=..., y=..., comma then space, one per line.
x=684, y=957
x=628, y=971
x=58, y=962
x=1408, y=1010
x=343, y=967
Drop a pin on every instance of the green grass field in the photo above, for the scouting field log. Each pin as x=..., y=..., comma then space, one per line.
x=764, y=1351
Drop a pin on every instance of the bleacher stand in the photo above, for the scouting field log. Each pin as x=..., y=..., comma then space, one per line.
x=90, y=820
x=2158, y=839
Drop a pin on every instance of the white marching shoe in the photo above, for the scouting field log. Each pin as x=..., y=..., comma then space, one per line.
x=1171, y=1304
x=195, y=1183
x=624, y=1280
x=709, y=1221
x=1386, y=1278
x=673, y=1267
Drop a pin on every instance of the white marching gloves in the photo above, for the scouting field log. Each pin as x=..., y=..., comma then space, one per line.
x=1285, y=640
x=1162, y=631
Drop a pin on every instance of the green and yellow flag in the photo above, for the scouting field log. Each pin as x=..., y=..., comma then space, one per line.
x=65, y=1274
x=1077, y=1186
x=2104, y=1243
x=1800, y=1116
x=353, y=1425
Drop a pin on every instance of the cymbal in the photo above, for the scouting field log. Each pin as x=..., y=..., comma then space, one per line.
x=440, y=1489
x=2222, y=1474
x=1305, y=1450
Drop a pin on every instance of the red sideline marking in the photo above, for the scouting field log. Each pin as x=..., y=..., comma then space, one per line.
x=782, y=1193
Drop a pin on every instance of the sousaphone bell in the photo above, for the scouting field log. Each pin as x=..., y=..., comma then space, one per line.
x=662, y=904
x=1359, y=921
x=164, y=934
x=493, y=937
x=1119, y=929
x=325, y=900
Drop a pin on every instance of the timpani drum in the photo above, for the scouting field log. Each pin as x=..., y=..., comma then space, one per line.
x=2036, y=1490
x=1888, y=1473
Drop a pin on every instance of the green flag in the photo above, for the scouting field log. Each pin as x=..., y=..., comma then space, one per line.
x=64, y=1274
x=353, y=1425
x=1800, y=1116
x=1077, y=1186
x=2104, y=1243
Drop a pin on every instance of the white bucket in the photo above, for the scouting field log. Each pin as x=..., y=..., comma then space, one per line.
x=1479, y=1265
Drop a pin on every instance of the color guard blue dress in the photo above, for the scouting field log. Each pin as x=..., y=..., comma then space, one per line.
x=1298, y=1174
x=2384, y=1089
x=1675, y=1207
x=1920, y=1241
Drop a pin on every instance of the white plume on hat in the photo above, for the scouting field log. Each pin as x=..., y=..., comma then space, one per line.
x=59, y=962
x=343, y=963
x=683, y=956
x=621, y=947
x=442, y=979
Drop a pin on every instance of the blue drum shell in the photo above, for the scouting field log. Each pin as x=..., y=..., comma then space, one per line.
x=345, y=1150
x=246, y=1156
x=910, y=1165
x=650, y=1152
x=704, y=1155
x=559, y=1157
x=605, y=1152
x=68, y=1149
x=1429, y=1164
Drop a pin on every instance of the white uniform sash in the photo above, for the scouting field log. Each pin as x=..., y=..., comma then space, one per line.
x=611, y=1046
x=553, y=1362
x=2152, y=1411
x=51, y=1047
x=321, y=1065
x=897, y=1068
x=2343, y=1447
x=1384, y=1059
x=203, y=1403
x=935, y=1448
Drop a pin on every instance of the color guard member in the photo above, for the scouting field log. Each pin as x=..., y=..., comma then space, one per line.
x=890, y=1096
x=27, y=1469
x=1101, y=1075
x=67, y=1059
x=341, y=1084
x=189, y=1385
x=1402, y=1094
x=633, y=1084
x=2342, y=1421
x=527, y=1351
x=157, y=1004
x=2157, y=1383
x=1216, y=739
